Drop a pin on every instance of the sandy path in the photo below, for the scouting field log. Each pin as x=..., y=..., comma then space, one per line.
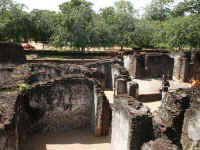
x=80, y=139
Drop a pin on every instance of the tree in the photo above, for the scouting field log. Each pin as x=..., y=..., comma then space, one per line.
x=193, y=31
x=124, y=29
x=179, y=10
x=106, y=25
x=124, y=23
x=102, y=32
x=176, y=32
x=124, y=7
x=143, y=34
x=44, y=24
x=77, y=23
x=158, y=10
x=19, y=26
x=187, y=6
x=15, y=22
x=193, y=6
x=5, y=5
x=108, y=15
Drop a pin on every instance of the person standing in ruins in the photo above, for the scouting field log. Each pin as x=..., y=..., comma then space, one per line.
x=164, y=87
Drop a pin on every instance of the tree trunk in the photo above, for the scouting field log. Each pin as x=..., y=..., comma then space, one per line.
x=121, y=48
x=83, y=49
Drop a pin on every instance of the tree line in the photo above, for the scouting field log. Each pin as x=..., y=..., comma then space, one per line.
x=163, y=24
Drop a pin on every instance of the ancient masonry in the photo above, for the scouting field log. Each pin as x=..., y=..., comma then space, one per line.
x=41, y=96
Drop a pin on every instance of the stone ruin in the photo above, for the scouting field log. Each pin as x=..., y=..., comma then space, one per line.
x=38, y=97
x=46, y=98
x=177, y=65
x=175, y=126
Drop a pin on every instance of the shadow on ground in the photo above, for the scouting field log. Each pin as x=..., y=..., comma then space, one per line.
x=81, y=139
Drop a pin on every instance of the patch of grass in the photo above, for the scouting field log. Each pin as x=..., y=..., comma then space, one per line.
x=23, y=87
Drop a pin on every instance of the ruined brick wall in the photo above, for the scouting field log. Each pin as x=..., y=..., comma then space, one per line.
x=178, y=118
x=118, y=70
x=3, y=140
x=67, y=104
x=182, y=66
x=11, y=53
x=186, y=65
x=135, y=64
x=149, y=65
x=158, y=64
x=170, y=116
x=131, y=124
x=8, y=138
x=130, y=64
x=120, y=129
x=5, y=74
x=174, y=126
x=105, y=67
x=190, y=137
x=194, y=68
x=63, y=104
x=59, y=97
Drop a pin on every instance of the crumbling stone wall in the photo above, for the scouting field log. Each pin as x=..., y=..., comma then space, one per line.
x=118, y=70
x=169, y=118
x=135, y=64
x=194, y=68
x=158, y=64
x=8, y=138
x=105, y=67
x=66, y=104
x=190, y=137
x=11, y=53
x=5, y=74
x=178, y=118
x=149, y=65
x=56, y=98
x=181, y=66
x=131, y=124
x=186, y=65
x=174, y=126
x=130, y=64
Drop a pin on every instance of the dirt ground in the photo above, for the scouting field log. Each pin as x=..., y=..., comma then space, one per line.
x=79, y=139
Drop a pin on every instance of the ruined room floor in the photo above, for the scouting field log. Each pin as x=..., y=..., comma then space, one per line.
x=152, y=105
x=149, y=86
x=80, y=139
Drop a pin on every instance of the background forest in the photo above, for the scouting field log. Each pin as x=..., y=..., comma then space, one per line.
x=163, y=24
